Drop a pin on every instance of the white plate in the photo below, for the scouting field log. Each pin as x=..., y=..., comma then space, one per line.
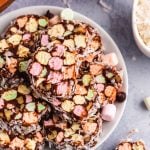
x=107, y=41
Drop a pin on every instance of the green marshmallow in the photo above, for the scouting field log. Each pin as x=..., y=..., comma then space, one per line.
x=41, y=107
x=86, y=79
x=9, y=95
x=18, y=116
x=30, y=106
x=90, y=94
x=2, y=62
x=23, y=66
x=100, y=79
x=43, y=22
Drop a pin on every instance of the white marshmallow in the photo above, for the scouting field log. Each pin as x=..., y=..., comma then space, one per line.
x=67, y=14
x=147, y=102
x=108, y=112
x=110, y=59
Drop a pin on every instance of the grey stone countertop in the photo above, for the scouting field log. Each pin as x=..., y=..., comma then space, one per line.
x=117, y=22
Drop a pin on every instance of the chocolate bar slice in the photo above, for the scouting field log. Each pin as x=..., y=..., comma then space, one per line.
x=20, y=115
x=128, y=145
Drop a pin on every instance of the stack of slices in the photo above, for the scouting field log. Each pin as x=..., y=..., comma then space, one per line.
x=57, y=85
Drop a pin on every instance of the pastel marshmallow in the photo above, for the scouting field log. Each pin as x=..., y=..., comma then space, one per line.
x=54, y=77
x=1, y=103
x=26, y=36
x=62, y=88
x=67, y=14
x=28, y=98
x=147, y=102
x=108, y=112
x=44, y=40
x=36, y=69
x=99, y=87
x=56, y=63
x=110, y=59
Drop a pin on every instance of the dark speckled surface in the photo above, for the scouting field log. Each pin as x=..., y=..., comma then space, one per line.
x=117, y=23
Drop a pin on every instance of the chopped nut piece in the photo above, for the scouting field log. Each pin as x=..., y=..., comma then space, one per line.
x=4, y=138
x=96, y=43
x=89, y=127
x=69, y=72
x=23, y=51
x=101, y=98
x=8, y=114
x=2, y=62
x=11, y=64
x=30, y=144
x=68, y=132
x=3, y=45
x=30, y=118
x=23, y=89
x=95, y=69
x=17, y=143
x=53, y=135
x=80, y=90
x=75, y=126
x=77, y=138
x=111, y=92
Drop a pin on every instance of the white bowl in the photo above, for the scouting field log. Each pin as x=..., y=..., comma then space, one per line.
x=138, y=39
x=108, y=43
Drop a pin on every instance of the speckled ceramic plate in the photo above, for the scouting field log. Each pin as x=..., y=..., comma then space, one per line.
x=108, y=44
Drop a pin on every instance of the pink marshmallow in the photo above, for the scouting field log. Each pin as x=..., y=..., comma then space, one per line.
x=56, y=63
x=26, y=36
x=108, y=112
x=79, y=111
x=1, y=103
x=59, y=50
x=56, y=102
x=110, y=59
x=28, y=98
x=36, y=69
x=44, y=40
x=99, y=87
x=48, y=123
x=54, y=77
x=62, y=88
